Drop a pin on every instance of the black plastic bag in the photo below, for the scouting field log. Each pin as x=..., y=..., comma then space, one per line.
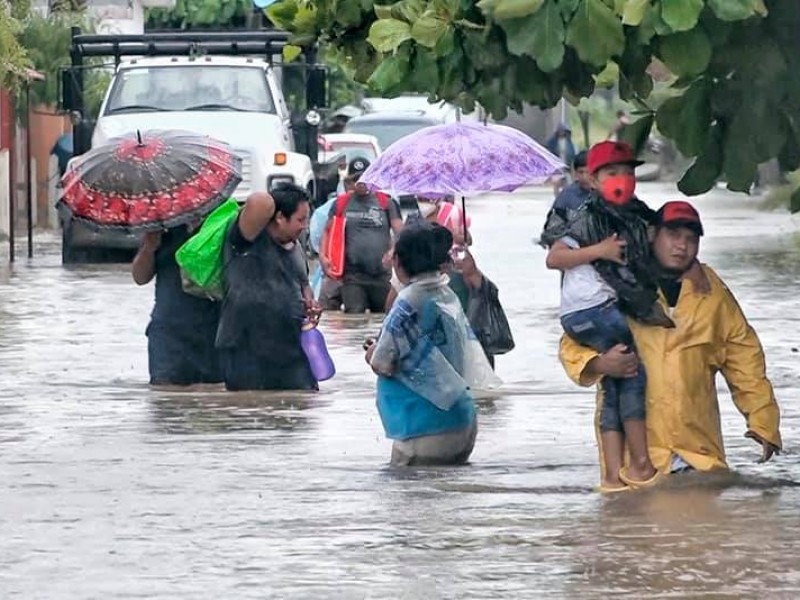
x=488, y=319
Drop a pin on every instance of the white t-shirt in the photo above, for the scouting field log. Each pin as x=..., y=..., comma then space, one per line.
x=582, y=286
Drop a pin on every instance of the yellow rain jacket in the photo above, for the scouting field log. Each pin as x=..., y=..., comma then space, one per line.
x=711, y=336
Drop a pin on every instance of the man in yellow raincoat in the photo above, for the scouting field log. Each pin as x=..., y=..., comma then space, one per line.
x=711, y=335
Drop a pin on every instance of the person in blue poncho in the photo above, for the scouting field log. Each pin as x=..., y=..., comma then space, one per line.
x=427, y=358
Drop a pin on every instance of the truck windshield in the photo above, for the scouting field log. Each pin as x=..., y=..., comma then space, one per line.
x=180, y=88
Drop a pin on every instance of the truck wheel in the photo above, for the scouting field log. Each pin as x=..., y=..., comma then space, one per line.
x=70, y=254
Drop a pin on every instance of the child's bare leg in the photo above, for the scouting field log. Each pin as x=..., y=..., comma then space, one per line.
x=640, y=467
x=613, y=456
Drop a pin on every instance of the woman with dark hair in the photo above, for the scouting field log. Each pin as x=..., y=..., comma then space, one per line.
x=266, y=300
x=427, y=359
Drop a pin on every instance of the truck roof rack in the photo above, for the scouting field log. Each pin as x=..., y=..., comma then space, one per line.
x=267, y=43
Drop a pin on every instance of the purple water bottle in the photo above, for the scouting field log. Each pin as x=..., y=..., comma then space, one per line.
x=316, y=351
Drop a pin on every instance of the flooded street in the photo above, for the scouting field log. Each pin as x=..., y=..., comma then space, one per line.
x=111, y=489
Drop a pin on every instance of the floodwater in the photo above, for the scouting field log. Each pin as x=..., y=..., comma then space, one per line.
x=109, y=489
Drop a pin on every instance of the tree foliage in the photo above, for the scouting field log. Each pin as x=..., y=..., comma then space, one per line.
x=194, y=14
x=47, y=42
x=199, y=14
x=13, y=59
x=737, y=63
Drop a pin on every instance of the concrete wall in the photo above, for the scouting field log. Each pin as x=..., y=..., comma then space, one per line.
x=114, y=16
x=535, y=122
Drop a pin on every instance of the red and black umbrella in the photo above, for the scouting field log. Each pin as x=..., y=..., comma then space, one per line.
x=150, y=181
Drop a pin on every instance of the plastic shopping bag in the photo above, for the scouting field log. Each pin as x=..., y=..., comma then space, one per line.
x=488, y=319
x=200, y=257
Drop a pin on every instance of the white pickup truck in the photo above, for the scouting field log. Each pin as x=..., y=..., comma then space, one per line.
x=236, y=100
x=230, y=91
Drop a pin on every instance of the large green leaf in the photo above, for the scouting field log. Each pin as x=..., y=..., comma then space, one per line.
x=519, y=35
x=509, y=9
x=760, y=128
x=578, y=77
x=408, y=10
x=425, y=71
x=305, y=21
x=383, y=11
x=634, y=12
x=637, y=133
x=686, y=53
x=681, y=15
x=568, y=8
x=686, y=119
x=540, y=35
x=348, y=12
x=446, y=8
x=291, y=53
x=452, y=73
x=634, y=80
x=428, y=29
x=647, y=28
x=446, y=43
x=391, y=72
x=535, y=87
x=737, y=10
x=386, y=35
x=596, y=33
x=282, y=14
x=548, y=37
x=608, y=76
x=488, y=54
x=706, y=168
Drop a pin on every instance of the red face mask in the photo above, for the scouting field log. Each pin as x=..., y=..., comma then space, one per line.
x=618, y=189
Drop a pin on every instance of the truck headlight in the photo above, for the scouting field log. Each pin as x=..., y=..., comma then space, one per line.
x=275, y=180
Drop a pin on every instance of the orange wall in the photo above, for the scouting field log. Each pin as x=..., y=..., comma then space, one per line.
x=46, y=128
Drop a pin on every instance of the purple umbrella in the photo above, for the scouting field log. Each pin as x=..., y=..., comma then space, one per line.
x=461, y=158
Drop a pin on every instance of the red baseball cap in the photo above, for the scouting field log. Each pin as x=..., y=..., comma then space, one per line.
x=679, y=213
x=611, y=153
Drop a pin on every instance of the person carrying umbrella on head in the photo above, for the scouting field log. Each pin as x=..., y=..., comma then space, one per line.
x=183, y=327
x=116, y=187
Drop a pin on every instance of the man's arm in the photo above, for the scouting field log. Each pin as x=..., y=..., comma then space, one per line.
x=324, y=260
x=562, y=257
x=257, y=213
x=745, y=371
x=143, y=268
x=469, y=270
x=586, y=366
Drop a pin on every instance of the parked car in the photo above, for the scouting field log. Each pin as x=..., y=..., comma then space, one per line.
x=352, y=145
x=388, y=127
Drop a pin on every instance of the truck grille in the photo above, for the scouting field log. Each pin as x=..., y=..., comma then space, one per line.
x=246, y=186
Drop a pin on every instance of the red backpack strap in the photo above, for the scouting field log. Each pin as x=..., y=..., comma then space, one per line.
x=383, y=200
x=341, y=203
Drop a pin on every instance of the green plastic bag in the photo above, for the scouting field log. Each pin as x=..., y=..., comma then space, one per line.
x=200, y=257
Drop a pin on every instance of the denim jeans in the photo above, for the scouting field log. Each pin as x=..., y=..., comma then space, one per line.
x=601, y=328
